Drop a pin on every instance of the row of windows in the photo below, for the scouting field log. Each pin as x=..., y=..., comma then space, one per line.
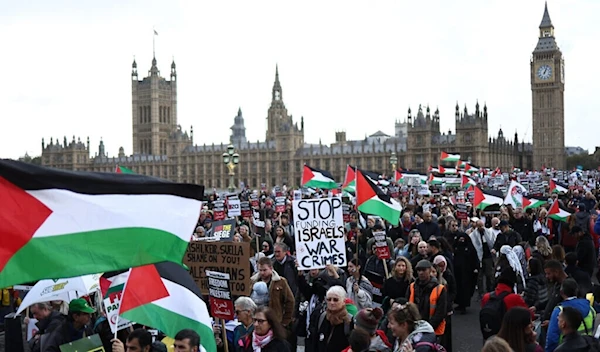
x=145, y=114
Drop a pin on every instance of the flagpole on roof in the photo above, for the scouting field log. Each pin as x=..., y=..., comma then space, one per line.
x=153, y=42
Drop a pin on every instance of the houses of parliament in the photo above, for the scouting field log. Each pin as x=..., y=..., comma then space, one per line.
x=161, y=148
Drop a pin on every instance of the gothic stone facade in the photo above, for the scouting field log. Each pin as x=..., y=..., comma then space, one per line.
x=163, y=149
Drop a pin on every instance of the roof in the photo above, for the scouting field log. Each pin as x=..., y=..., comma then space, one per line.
x=546, y=22
x=223, y=147
x=379, y=134
x=392, y=144
x=546, y=44
x=138, y=158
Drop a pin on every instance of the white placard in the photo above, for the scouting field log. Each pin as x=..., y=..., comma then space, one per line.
x=233, y=207
x=32, y=329
x=319, y=233
x=111, y=307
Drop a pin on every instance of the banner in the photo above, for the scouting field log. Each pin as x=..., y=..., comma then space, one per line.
x=279, y=204
x=319, y=233
x=218, y=210
x=232, y=258
x=233, y=207
x=245, y=209
x=221, y=303
x=383, y=251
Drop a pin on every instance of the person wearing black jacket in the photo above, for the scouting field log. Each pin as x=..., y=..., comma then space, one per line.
x=586, y=253
x=75, y=327
x=506, y=236
x=584, y=282
x=522, y=224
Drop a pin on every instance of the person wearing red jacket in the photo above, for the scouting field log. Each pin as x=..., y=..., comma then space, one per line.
x=506, y=283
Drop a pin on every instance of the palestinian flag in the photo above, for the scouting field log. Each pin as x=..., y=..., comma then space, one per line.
x=349, y=184
x=471, y=168
x=514, y=195
x=447, y=170
x=557, y=213
x=370, y=199
x=403, y=176
x=435, y=180
x=532, y=203
x=165, y=297
x=114, y=284
x=56, y=223
x=484, y=199
x=445, y=157
x=433, y=169
x=316, y=178
x=466, y=181
x=461, y=164
x=557, y=187
x=123, y=170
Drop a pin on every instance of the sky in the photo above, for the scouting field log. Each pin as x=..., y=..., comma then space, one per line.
x=347, y=65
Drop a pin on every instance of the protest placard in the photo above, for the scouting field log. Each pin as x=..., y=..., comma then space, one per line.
x=86, y=344
x=221, y=303
x=233, y=207
x=279, y=204
x=461, y=211
x=258, y=219
x=383, y=251
x=297, y=194
x=245, y=209
x=346, y=212
x=222, y=230
x=218, y=210
x=254, y=203
x=319, y=233
x=232, y=258
x=111, y=307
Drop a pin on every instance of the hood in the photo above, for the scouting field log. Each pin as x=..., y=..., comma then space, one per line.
x=274, y=277
x=423, y=327
x=378, y=344
x=581, y=304
x=582, y=215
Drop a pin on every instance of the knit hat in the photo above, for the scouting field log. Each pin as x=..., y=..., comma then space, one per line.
x=368, y=319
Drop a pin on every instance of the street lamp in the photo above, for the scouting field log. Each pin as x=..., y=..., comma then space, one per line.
x=231, y=159
x=393, y=162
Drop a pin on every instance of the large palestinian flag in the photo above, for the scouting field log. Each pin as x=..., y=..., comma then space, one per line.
x=466, y=181
x=532, y=202
x=165, y=297
x=484, y=199
x=349, y=184
x=445, y=157
x=56, y=223
x=315, y=178
x=557, y=213
x=370, y=199
x=557, y=187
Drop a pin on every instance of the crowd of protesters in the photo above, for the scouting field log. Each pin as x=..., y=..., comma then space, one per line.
x=533, y=277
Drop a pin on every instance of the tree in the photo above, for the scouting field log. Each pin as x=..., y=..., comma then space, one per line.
x=587, y=161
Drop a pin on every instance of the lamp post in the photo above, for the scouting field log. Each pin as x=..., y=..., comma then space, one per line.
x=393, y=162
x=231, y=159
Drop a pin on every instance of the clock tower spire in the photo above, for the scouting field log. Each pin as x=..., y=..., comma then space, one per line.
x=547, y=93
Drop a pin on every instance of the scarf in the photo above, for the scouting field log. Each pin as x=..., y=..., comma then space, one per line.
x=336, y=317
x=258, y=342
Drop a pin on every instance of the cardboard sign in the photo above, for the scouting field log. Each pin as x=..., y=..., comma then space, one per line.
x=86, y=344
x=234, y=207
x=383, y=251
x=319, y=233
x=218, y=210
x=461, y=211
x=221, y=303
x=232, y=258
x=111, y=307
x=32, y=329
x=279, y=204
x=245, y=209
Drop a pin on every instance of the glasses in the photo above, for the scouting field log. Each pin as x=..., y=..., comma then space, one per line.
x=260, y=321
x=332, y=299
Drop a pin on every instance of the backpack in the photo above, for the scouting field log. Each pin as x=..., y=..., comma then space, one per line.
x=592, y=343
x=490, y=316
x=436, y=347
x=346, y=324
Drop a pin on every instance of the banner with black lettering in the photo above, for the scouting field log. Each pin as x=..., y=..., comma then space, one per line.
x=319, y=233
x=218, y=210
x=233, y=207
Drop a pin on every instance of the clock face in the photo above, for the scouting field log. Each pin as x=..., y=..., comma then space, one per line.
x=544, y=72
x=276, y=95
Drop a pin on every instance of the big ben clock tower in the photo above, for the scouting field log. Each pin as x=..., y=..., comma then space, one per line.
x=547, y=88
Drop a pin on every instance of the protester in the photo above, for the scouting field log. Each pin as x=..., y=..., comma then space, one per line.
x=358, y=287
x=411, y=332
x=268, y=335
x=138, y=340
x=330, y=331
x=75, y=327
x=517, y=330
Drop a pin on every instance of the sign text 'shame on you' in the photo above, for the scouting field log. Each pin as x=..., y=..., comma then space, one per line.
x=319, y=233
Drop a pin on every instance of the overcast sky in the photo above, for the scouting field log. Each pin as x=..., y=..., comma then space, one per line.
x=344, y=65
